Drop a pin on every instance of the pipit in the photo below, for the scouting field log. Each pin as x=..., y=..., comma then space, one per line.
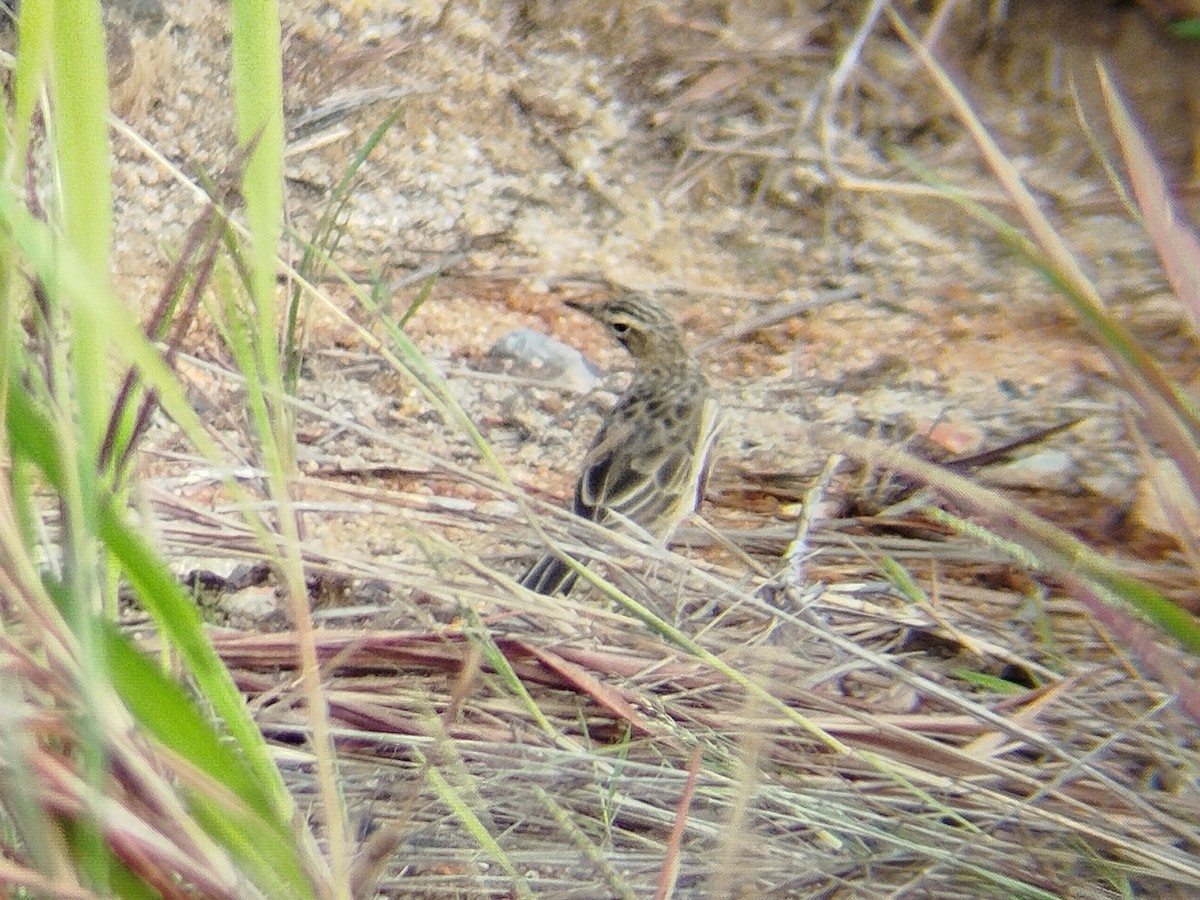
x=649, y=463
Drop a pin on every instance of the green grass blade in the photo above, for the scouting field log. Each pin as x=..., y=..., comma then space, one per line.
x=323, y=244
x=258, y=83
x=172, y=609
x=81, y=126
x=258, y=78
x=35, y=27
x=474, y=826
x=253, y=832
x=32, y=436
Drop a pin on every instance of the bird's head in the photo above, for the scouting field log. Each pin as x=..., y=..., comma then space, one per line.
x=640, y=325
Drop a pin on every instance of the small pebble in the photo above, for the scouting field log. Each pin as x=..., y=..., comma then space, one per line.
x=533, y=353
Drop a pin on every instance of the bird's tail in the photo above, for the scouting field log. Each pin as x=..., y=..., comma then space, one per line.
x=549, y=575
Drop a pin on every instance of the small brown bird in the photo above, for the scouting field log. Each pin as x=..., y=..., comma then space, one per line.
x=649, y=463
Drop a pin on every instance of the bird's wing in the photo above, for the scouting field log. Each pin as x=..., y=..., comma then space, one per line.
x=646, y=473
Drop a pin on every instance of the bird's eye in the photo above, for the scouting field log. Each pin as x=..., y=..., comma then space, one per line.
x=620, y=327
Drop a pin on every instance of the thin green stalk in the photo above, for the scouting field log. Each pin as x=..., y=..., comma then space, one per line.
x=258, y=79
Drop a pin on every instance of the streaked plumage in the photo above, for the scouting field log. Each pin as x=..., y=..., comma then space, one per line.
x=650, y=460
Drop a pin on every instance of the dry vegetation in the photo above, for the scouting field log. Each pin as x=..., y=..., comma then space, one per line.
x=821, y=693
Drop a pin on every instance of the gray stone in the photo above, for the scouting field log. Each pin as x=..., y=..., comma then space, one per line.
x=531, y=353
